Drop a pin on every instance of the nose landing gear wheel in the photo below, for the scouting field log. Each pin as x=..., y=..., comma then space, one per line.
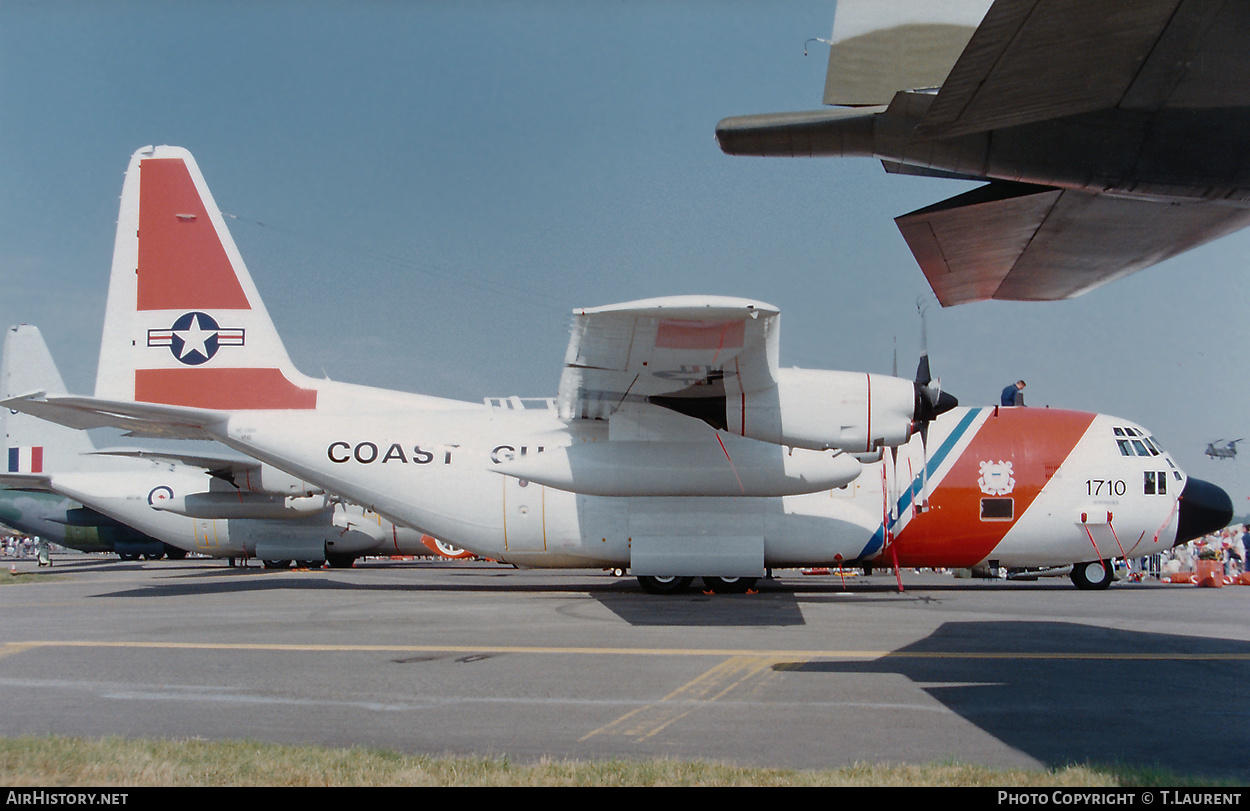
x=1093, y=574
x=664, y=585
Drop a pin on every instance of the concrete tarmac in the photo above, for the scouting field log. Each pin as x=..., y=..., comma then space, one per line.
x=476, y=658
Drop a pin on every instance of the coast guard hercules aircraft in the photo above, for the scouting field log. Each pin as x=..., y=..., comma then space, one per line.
x=676, y=447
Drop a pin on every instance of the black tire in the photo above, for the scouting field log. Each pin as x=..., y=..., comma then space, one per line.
x=277, y=564
x=340, y=560
x=174, y=553
x=1092, y=575
x=127, y=557
x=729, y=585
x=664, y=585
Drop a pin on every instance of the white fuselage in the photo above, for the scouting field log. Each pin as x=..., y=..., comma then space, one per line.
x=432, y=464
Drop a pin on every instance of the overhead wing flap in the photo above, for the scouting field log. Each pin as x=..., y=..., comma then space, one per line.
x=968, y=244
x=1089, y=240
x=1029, y=243
x=1034, y=60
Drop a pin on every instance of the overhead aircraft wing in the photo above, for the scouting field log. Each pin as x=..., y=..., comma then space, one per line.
x=685, y=347
x=1035, y=60
x=1036, y=243
x=141, y=419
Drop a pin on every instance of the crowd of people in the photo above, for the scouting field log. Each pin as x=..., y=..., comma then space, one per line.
x=26, y=546
x=1227, y=546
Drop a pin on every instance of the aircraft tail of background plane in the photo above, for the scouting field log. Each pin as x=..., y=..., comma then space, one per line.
x=184, y=323
x=33, y=445
x=878, y=48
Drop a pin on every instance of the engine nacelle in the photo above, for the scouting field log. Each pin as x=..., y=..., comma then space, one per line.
x=271, y=481
x=704, y=468
x=820, y=410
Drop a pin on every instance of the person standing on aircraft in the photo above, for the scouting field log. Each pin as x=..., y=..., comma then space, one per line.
x=1013, y=395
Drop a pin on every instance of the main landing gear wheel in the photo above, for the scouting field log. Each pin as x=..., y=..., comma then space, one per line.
x=277, y=564
x=1093, y=574
x=664, y=585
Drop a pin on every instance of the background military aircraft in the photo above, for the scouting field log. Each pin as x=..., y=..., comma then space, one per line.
x=1226, y=451
x=1113, y=134
x=66, y=522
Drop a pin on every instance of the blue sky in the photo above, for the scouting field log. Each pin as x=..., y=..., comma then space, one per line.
x=425, y=190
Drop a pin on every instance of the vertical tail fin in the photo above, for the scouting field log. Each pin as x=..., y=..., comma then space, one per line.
x=184, y=324
x=33, y=445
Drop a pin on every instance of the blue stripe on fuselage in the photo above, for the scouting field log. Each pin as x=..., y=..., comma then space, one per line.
x=931, y=464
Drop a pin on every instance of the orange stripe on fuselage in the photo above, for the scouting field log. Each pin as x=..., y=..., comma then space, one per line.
x=224, y=389
x=951, y=533
x=182, y=263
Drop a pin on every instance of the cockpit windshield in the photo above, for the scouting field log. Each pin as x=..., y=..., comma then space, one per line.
x=1132, y=442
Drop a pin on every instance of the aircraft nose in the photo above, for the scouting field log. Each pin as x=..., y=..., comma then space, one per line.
x=1204, y=508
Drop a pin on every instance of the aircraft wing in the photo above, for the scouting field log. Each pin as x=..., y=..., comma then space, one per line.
x=1034, y=60
x=1037, y=243
x=141, y=419
x=690, y=348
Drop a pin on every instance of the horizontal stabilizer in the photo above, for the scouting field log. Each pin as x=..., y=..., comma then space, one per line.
x=1034, y=243
x=142, y=419
x=201, y=460
x=26, y=481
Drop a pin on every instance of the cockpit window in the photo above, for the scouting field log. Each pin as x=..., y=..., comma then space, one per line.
x=1135, y=442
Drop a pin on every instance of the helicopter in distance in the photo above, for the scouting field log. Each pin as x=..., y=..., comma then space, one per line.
x=1226, y=451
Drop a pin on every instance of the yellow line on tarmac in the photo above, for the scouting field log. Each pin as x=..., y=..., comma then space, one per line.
x=15, y=647
x=705, y=688
x=775, y=655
